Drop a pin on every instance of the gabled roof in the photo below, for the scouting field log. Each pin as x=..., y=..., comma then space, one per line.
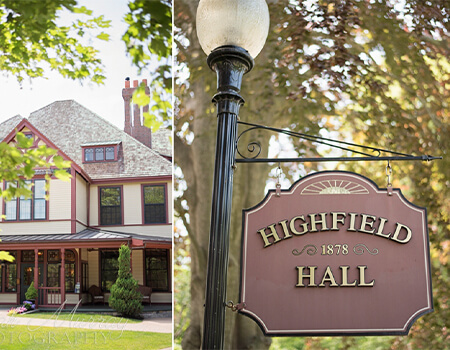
x=69, y=125
x=8, y=125
x=161, y=142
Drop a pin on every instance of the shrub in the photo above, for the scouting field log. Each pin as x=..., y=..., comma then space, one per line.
x=31, y=293
x=125, y=297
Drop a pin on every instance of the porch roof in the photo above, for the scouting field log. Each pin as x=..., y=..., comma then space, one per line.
x=86, y=238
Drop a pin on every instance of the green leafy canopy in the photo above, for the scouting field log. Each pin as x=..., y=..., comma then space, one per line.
x=148, y=41
x=33, y=41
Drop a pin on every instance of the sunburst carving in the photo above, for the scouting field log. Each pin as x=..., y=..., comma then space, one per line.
x=334, y=187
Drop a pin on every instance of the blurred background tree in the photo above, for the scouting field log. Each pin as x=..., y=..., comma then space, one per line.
x=373, y=72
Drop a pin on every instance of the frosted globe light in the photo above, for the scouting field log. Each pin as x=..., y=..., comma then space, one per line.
x=243, y=23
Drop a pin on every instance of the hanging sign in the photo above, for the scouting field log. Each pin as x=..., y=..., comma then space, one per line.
x=335, y=255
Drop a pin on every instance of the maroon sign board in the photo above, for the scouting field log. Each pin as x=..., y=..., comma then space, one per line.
x=335, y=255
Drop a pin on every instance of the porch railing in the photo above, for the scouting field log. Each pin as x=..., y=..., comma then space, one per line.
x=49, y=296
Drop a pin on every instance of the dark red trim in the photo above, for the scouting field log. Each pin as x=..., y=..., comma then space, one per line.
x=158, y=245
x=131, y=179
x=45, y=267
x=19, y=272
x=130, y=225
x=88, y=204
x=62, y=276
x=69, y=245
x=36, y=272
x=25, y=123
x=54, y=220
x=73, y=203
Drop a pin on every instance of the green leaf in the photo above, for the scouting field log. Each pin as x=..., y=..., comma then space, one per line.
x=140, y=97
x=151, y=122
x=23, y=141
x=62, y=175
x=5, y=256
x=60, y=162
x=82, y=9
x=103, y=36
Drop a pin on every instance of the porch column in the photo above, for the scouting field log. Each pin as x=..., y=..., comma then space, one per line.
x=19, y=276
x=63, y=275
x=36, y=273
x=78, y=268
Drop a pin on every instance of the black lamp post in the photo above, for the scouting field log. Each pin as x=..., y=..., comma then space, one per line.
x=231, y=32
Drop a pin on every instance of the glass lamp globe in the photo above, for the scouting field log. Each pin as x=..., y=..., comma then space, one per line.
x=243, y=23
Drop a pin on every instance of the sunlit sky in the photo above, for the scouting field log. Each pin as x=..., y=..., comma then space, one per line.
x=105, y=100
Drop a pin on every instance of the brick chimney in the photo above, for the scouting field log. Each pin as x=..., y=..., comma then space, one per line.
x=134, y=123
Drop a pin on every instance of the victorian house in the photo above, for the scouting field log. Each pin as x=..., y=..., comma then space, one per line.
x=66, y=237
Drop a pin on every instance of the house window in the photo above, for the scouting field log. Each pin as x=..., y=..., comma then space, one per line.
x=110, y=206
x=157, y=269
x=84, y=277
x=25, y=204
x=109, y=153
x=109, y=260
x=88, y=154
x=11, y=206
x=10, y=275
x=100, y=153
x=54, y=269
x=28, y=256
x=32, y=208
x=154, y=204
x=39, y=203
x=53, y=273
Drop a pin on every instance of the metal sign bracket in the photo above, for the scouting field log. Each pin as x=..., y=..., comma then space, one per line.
x=253, y=149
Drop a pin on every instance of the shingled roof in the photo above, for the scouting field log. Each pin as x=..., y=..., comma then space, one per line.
x=8, y=125
x=69, y=125
x=161, y=142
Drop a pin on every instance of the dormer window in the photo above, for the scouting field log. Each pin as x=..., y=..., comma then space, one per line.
x=88, y=154
x=100, y=151
x=99, y=154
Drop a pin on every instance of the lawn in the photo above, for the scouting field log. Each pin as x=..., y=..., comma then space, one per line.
x=35, y=338
x=80, y=317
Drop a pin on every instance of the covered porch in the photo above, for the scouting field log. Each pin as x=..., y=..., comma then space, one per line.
x=63, y=268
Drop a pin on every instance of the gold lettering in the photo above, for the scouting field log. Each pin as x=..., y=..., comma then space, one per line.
x=285, y=229
x=328, y=277
x=381, y=228
x=322, y=221
x=352, y=222
x=273, y=234
x=304, y=225
x=334, y=215
x=312, y=270
x=345, y=277
x=397, y=232
x=365, y=223
x=362, y=278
